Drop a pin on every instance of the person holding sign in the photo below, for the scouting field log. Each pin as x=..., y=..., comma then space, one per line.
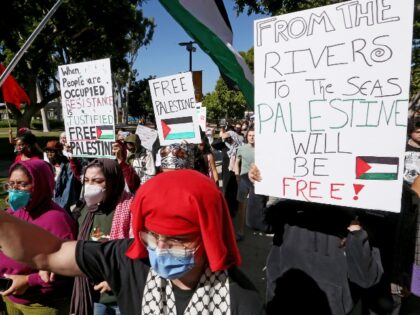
x=140, y=158
x=320, y=256
x=183, y=259
x=131, y=178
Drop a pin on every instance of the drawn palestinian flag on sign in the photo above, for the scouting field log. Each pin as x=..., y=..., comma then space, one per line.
x=377, y=168
x=105, y=132
x=178, y=128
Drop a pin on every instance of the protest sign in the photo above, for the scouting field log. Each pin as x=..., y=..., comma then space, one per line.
x=202, y=116
x=88, y=107
x=331, y=99
x=147, y=136
x=174, y=107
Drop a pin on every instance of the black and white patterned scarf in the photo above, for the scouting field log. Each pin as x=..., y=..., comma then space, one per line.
x=212, y=295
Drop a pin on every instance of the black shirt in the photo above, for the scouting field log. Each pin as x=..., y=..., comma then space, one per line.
x=127, y=278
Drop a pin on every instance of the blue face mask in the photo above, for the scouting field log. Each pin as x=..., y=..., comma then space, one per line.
x=19, y=199
x=168, y=265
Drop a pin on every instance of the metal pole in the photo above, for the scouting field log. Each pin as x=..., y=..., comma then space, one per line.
x=190, y=50
x=28, y=43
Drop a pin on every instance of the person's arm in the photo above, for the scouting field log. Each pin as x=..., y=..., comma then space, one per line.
x=213, y=167
x=237, y=167
x=150, y=164
x=254, y=174
x=11, y=139
x=364, y=263
x=75, y=167
x=130, y=175
x=30, y=244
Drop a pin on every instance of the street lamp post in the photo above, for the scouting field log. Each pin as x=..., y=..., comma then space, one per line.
x=190, y=49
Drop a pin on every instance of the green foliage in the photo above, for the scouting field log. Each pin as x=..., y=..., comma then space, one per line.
x=140, y=100
x=80, y=30
x=249, y=58
x=277, y=7
x=224, y=102
x=5, y=123
x=54, y=124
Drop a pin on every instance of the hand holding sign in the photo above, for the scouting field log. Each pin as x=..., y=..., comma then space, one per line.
x=119, y=149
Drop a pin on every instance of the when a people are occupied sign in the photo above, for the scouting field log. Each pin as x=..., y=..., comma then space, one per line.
x=331, y=99
x=174, y=107
x=88, y=112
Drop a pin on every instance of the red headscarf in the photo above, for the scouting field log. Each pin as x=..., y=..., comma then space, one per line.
x=185, y=202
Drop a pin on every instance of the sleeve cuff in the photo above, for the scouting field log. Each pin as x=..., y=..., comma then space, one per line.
x=34, y=280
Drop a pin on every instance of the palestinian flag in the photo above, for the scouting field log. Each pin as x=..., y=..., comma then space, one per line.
x=178, y=128
x=105, y=132
x=377, y=168
x=206, y=21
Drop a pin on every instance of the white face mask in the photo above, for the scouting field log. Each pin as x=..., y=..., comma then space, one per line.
x=93, y=194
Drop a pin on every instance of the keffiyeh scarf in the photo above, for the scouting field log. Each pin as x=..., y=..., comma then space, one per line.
x=212, y=295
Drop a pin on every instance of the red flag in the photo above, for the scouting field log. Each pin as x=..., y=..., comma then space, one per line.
x=12, y=92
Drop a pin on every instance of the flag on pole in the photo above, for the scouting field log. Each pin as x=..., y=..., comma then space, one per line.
x=12, y=92
x=206, y=21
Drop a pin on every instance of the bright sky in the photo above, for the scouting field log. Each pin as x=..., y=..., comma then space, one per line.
x=165, y=57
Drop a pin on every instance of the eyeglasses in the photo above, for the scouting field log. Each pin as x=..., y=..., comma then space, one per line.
x=180, y=245
x=17, y=185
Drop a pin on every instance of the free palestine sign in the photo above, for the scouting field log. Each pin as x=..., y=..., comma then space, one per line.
x=331, y=99
x=175, y=109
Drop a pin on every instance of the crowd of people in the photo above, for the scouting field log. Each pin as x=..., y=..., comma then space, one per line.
x=157, y=232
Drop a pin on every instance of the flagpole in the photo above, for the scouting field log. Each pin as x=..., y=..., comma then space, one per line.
x=28, y=42
x=8, y=117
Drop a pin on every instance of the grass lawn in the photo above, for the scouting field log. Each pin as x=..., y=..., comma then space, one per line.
x=7, y=156
x=3, y=193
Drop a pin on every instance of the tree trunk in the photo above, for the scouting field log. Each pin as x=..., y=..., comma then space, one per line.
x=45, y=126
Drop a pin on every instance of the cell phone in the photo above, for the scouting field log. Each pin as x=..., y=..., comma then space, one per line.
x=5, y=283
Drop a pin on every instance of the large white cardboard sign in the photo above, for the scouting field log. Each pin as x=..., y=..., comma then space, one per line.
x=331, y=99
x=88, y=107
x=174, y=106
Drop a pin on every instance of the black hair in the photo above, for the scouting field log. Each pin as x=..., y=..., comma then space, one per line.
x=30, y=140
x=412, y=125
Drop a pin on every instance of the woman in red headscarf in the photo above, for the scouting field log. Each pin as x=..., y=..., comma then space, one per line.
x=182, y=261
